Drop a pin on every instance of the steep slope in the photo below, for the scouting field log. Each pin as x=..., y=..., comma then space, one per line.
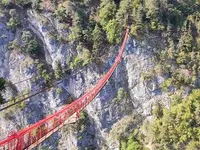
x=77, y=41
x=135, y=99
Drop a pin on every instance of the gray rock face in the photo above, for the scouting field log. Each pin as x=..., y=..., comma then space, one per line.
x=16, y=66
x=142, y=95
x=104, y=112
x=54, y=50
x=5, y=37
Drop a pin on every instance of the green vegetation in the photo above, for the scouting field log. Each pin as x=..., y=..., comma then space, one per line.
x=30, y=44
x=13, y=23
x=98, y=39
x=126, y=131
x=6, y=2
x=13, y=45
x=83, y=118
x=14, y=20
x=178, y=127
x=42, y=71
x=113, y=30
x=17, y=2
x=107, y=12
x=1, y=99
x=2, y=83
x=2, y=87
x=94, y=27
x=121, y=94
x=58, y=71
x=144, y=16
x=82, y=59
x=131, y=143
x=59, y=91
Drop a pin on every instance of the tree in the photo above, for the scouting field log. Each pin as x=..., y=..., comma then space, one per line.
x=58, y=71
x=180, y=125
x=188, y=7
x=193, y=145
x=1, y=99
x=13, y=23
x=98, y=38
x=121, y=94
x=113, y=31
x=76, y=33
x=123, y=12
x=174, y=15
x=30, y=44
x=2, y=87
x=186, y=42
x=158, y=110
x=6, y=2
x=153, y=7
x=32, y=47
x=60, y=13
x=2, y=83
x=130, y=144
x=139, y=14
x=26, y=36
x=107, y=12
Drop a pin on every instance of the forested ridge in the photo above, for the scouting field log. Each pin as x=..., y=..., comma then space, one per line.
x=94, y=25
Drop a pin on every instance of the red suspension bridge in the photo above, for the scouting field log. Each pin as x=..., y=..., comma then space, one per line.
x=33, y=135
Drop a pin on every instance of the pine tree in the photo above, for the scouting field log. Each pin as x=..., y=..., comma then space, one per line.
x=98, y=38
x=107, y=11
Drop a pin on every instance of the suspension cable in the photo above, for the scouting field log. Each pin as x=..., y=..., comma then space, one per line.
x=38, y=92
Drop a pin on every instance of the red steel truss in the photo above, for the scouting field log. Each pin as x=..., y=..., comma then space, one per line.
x=33, y=135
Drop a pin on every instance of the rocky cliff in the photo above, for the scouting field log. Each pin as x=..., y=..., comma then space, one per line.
x=123, y=104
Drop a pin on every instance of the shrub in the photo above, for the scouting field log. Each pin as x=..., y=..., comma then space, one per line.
x=47, y=77
x=131, y=143
x=6, y=2
x=59, y=91
x=82, y=59
x=86, y=57
x=30, y=44
x=166, y=84
x=58, y=71
x=158, y=110
x=136, y=30
x=43, y=73
x=121, y=94
x=32, y=47
x=193, y=145
x=2, y=87
x=2, y=83
x=60, y=13
x=1, y=99
x=13, y=23
x=76, y=62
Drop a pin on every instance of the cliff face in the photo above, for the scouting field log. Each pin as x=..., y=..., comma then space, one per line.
x=125, y=101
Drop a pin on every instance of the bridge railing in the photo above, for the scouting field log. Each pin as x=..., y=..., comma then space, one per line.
x=32, y=134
